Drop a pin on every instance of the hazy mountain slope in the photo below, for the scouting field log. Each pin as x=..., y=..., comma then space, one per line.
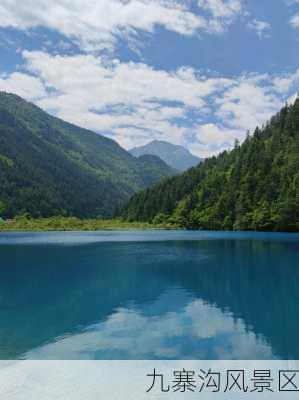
x=48, y=166
x=177, y=157
x=253, y=187
x=153, y=169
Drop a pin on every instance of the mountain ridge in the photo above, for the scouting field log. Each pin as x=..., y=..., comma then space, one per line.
x=177, y=157
x=51, y=167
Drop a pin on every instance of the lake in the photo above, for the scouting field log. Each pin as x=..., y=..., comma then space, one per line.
x=149, y=295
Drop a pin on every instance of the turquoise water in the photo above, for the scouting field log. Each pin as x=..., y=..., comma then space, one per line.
x=149, y=295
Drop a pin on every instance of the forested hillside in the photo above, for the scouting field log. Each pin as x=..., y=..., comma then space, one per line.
x=253, y=187
x=50, y=167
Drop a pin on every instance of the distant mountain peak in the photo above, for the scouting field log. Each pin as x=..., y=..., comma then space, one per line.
x=177, y=157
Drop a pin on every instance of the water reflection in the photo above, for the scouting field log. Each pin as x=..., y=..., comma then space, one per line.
x=198, y=331
x=209, y=299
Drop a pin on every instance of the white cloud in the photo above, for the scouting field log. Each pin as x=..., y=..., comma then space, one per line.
x=262, y=28
x=135, y=103
x=221, y=8
x=248, y=103
x=212, y=138
x=295, y=21
x=95, y=25
x=24, y=85
x=222, y=12
x=292, y=98
x=284, y=83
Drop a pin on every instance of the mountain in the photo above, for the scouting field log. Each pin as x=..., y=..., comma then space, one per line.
x=154, y=169
x=175, y=156
x=253, y=187
x=50, y=167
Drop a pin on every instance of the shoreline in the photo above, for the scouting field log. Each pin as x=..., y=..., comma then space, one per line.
x=73, y=224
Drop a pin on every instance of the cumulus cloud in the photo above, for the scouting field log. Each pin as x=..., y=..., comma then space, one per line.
x=212, y=138
x=96, y=25
x=24, y=85
x=132, y=100
x=249, y=103
x=284, y=83
x=135, y=103
x=262, y=28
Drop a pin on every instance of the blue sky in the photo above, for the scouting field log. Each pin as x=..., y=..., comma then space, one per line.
x=199, y=73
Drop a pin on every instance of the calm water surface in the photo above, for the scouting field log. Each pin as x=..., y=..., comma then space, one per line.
x=149, y=295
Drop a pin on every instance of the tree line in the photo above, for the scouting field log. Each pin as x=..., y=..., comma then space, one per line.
x=255, y=186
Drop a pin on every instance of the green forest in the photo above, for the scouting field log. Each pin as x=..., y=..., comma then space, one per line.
x=52, y=168
x=255, y=186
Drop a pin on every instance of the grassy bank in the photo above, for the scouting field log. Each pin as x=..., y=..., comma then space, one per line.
x=75, y=224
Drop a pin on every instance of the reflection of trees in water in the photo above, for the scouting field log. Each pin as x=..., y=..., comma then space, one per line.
x=51, y=291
